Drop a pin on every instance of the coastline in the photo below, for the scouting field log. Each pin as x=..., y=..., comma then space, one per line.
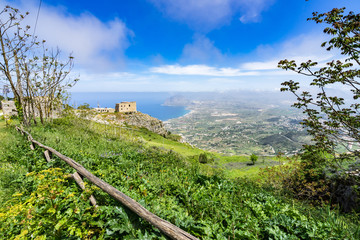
x=150, y=103
x=191, y=111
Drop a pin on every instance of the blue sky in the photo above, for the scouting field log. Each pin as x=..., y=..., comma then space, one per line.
x=182, y=45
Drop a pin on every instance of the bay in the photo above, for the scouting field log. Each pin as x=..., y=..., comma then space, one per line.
x=147, y=102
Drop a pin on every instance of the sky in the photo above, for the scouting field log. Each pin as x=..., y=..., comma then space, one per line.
x=181, y=45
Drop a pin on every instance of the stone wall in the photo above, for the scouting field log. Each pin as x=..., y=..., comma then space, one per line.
x=104, y=110
x=9, y=108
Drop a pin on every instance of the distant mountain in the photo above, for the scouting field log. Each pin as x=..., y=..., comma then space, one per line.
x=177, y=100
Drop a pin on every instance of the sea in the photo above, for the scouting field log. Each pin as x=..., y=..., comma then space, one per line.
x=146, y=102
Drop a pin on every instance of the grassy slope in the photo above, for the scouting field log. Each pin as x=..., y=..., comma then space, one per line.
x=234, y=166
x=10, y=171
x=175, y=188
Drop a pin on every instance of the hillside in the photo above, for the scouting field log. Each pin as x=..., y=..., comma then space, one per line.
x=147, y=129
x=198, y=199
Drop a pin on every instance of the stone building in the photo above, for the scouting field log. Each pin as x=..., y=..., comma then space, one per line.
x=125, y=107
x=9, y=108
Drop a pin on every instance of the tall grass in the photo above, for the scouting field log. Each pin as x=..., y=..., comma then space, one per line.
x=171, y=185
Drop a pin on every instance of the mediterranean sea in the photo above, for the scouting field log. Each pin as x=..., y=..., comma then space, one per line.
x=146, y=102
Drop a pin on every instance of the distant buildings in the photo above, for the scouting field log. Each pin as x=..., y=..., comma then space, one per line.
x=125, y=107
x=104, y=110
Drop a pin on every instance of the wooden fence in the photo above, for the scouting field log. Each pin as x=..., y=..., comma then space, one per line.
x=164, y=226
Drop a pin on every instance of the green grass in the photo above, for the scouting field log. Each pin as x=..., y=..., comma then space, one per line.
x=233, y=166
x=11, y=172
x=171, y=185
x=153, y=139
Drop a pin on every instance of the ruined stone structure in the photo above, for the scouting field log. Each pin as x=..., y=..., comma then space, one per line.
x=125, y=107
x=40, y=104
x=104, y=110
x=9, y=108
x=45, y=107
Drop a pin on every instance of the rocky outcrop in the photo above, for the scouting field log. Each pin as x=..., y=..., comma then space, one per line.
x=143, y=120
x=136, y=119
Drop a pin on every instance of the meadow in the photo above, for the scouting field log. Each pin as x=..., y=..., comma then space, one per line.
x=38, y=200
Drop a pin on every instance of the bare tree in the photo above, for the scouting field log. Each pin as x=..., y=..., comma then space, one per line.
x=47, y=79
x=38, y=76
x=15, y=42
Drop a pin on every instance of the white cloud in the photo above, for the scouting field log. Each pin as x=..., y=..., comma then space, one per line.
x=113, y=81
x=202, y=70
x=206, y=15
x=201, y=50
x=252, y=10
x=301, y=49
x=90, y=40
x=305, y=47
x=268, y=65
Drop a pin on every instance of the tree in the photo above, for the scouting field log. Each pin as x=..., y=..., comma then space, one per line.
x=332, y=121
x=46, y=80
x=36, y=75
x=203, y=158
x=253, y=158
x=84, y=106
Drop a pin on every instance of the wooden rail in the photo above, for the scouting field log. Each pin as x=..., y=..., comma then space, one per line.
x=164, y=226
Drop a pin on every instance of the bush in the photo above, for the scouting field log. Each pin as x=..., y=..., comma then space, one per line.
x=253, y=158
x=173, y=137
x=203, y=158
x=84, y=106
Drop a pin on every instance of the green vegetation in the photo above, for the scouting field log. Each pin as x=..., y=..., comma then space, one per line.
x=330, y=165
x=198, y=199
x=199, y=191
x=332, y=120
x=37, y=75
x=233, y=166
x=253, y=158
x=203, y=158
x=84, y=106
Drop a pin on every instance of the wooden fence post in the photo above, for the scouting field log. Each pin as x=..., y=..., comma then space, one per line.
x=31, y=143
x=81, y=184
x=47, y=156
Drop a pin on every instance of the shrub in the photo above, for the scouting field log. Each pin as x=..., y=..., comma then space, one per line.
x=299, y=179
x=253, y=158
x=203, y=158
x=84, y=106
